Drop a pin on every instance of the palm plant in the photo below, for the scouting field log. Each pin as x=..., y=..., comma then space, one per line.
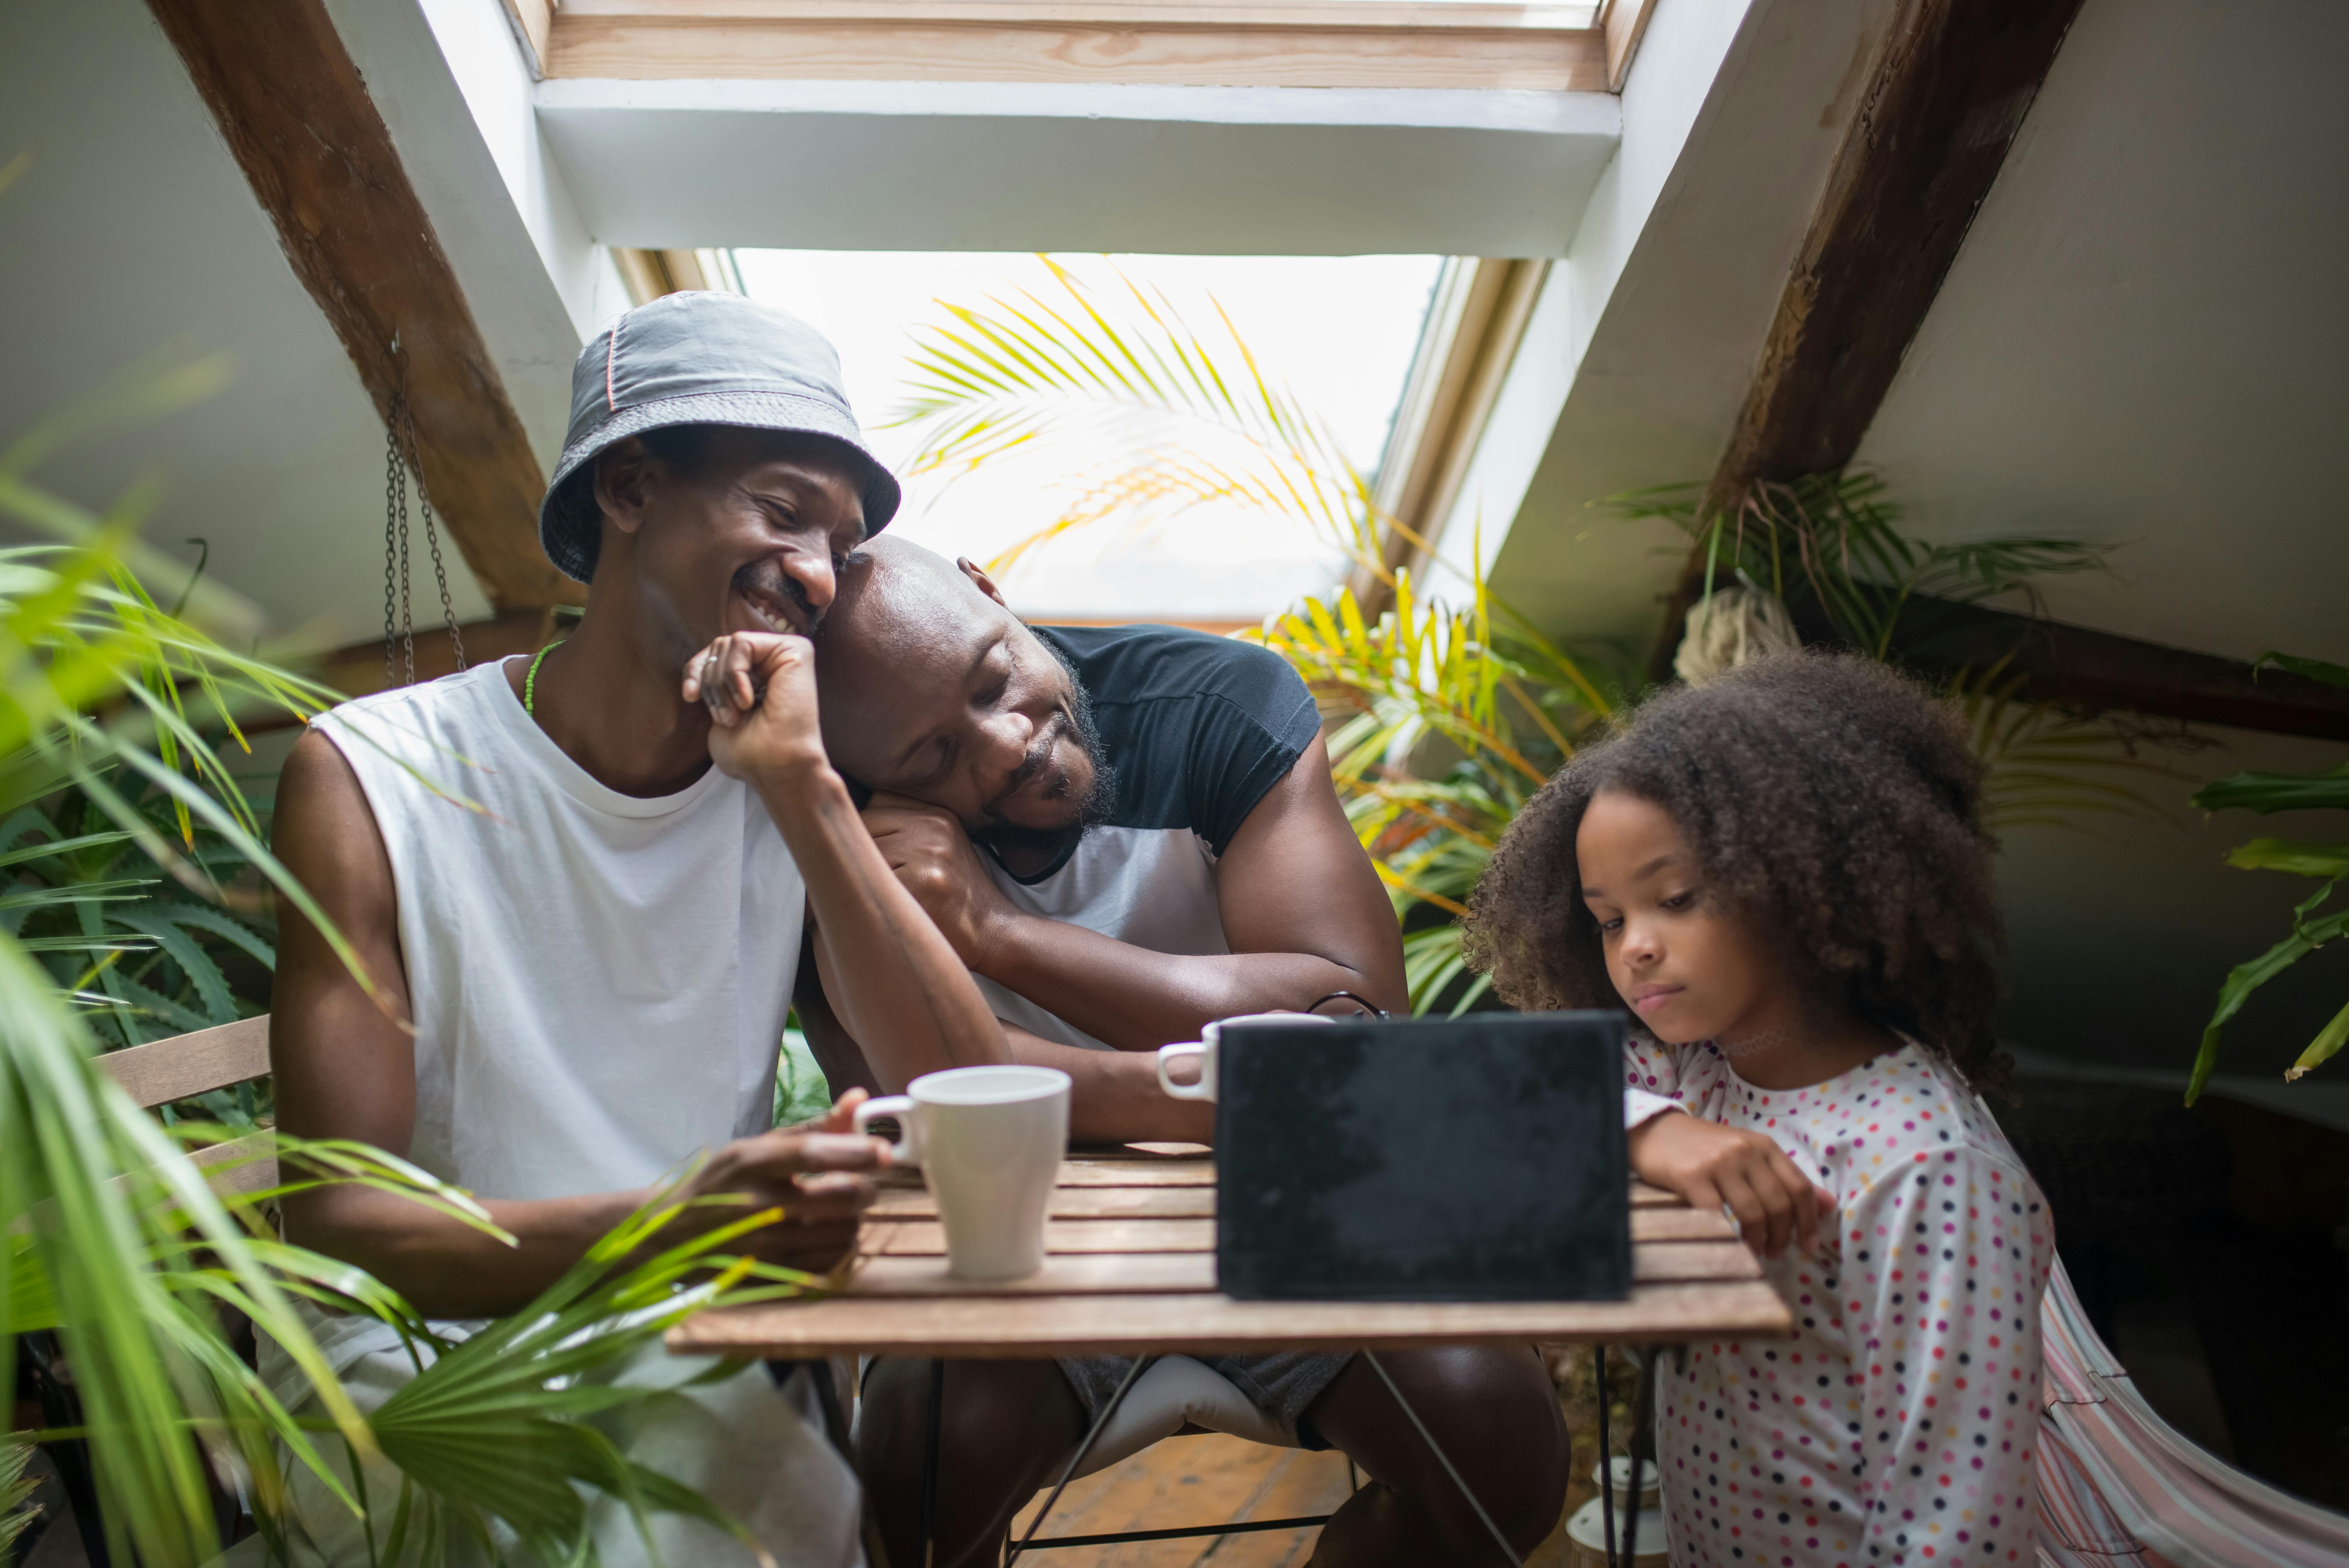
x=1426, y=680
x=175, y=961
x=96, y=684
x=1835, y=539
x=1831, y=549
x=1174, y=417
x=110, y=1239
x=2313, y=926
x=17, y=1509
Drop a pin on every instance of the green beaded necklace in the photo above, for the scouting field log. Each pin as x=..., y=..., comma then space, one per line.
x=530, y=678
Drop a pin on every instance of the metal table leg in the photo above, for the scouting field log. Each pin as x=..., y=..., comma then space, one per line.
x=1606, y=1462
x=930, y=1440
x=1643, y=1408
x=1100, y=1422
x=1643, y=1404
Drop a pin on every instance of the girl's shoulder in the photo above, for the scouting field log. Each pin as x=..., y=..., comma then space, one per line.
x=1904, y=1109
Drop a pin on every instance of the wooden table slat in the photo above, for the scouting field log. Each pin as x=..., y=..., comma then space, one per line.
x=1068, y=1274
x=1073, y=1202
x=1137, y=1173
x=1116, y=1195
x=927, y=1238
x=1078, y=1273
x=1010, y=1326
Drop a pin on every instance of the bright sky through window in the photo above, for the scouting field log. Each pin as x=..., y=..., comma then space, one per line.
x=1340, y=330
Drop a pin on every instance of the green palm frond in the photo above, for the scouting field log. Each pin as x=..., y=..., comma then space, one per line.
x=2049, y=766
x=528, y=1390
x=1428, y=677
x=2332, y=674
x=2269, y=792
x=1168, y=416
x=16, y=1494
x=2328, y=865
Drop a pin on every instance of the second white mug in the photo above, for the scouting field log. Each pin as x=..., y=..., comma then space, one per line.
x=989, y=1141
x=1202, y=1050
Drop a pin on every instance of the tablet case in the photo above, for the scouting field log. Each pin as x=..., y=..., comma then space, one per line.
x=1479, y=1159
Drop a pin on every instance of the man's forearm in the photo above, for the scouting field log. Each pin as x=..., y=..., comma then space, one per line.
x=902, y=992
x=1137, y=999
x=1114, y=1096
x=444, y=1267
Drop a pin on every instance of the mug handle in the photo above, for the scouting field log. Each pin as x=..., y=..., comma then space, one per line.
x=908, y=1151
x=1196, y=1049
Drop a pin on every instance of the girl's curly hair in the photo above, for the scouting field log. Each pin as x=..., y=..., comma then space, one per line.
x=1833, y=800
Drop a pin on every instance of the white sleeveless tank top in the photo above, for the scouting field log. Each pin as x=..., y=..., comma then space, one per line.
x=599, y=981
x=599, y=984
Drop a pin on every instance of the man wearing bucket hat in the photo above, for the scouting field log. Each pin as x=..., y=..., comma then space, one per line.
x=586, y=898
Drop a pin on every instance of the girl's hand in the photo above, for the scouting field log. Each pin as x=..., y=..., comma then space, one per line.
x=1713, y=1167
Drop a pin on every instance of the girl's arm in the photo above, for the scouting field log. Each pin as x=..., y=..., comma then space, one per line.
x=1711, y=1166
x=1944, y=1262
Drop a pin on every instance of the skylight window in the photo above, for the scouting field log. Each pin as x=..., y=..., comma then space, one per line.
x=1341, y=332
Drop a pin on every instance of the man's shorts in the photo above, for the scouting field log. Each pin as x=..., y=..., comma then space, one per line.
x=1283, y=1384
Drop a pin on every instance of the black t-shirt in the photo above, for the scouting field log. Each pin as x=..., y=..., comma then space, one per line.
x=1197, y=728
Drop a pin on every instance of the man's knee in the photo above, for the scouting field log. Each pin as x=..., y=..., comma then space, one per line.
x=1012, y=1410
x=1495, y=1412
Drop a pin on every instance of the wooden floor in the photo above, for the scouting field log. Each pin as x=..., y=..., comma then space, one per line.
x=1193, y=1481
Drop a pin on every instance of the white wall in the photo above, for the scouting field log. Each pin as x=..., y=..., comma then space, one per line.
x=2144, y=339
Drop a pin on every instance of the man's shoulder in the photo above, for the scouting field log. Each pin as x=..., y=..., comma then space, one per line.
x=461, y=698
x=1144, y=664
x=1197, y=727
x=436, y=735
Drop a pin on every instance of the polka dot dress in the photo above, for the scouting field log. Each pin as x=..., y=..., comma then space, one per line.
x=1896, y=1426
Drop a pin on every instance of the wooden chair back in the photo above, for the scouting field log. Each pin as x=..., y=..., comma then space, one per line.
x=189, y=1065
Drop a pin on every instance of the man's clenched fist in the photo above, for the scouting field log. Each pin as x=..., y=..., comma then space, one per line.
x=760, y=688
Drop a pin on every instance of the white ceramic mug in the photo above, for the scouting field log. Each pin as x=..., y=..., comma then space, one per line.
x=1204, y=1049
x=989, y=1142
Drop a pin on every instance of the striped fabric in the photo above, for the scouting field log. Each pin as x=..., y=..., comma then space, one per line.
x=2117, y=1486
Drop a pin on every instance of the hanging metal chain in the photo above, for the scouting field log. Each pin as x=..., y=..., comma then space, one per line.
x=400, y=455
x=431, y=533
x=399, y=626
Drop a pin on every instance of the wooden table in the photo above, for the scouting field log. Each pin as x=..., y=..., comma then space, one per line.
x=1130, y=1269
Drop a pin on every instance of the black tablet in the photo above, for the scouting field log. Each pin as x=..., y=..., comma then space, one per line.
x=1479, y=1159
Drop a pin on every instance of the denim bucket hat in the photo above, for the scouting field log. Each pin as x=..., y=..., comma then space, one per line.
x=698, y=358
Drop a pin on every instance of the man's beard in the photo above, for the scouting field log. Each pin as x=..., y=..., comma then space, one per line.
x=1093, y=807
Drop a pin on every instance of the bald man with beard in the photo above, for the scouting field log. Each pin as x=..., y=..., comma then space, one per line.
x=1126, y=832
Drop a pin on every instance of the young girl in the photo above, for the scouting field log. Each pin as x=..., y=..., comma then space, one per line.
x=1783, y=875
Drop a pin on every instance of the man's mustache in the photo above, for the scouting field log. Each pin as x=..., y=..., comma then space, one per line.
x=1039, y=757
x=764, y=576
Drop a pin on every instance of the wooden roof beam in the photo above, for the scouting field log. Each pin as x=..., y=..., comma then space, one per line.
x=296, y=115
x=1950, y=90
